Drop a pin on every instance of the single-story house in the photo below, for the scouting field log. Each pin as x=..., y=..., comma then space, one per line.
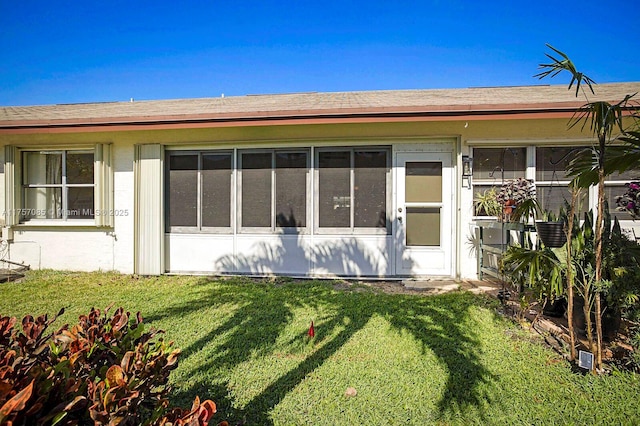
x=356, y=184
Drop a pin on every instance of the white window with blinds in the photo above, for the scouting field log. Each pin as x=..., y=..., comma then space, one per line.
x=49, y=186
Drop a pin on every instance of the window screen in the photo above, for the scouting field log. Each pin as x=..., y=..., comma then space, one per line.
x=198, y=191
x=370, y=189
x=334, y=184
x=216, y=190
x=183, y=190
x=274, y=189
x=353, y=188
x=291, y=185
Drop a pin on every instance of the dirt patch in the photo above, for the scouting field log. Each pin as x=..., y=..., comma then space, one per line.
x=388, y=287
x=417, y=287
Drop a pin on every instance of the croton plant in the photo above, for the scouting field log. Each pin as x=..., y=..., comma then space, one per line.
x=105, y=370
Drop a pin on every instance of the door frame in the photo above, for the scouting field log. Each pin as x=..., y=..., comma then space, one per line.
x=445, y=254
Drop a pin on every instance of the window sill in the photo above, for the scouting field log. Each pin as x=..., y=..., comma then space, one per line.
x=54, y=223
x=352, y=231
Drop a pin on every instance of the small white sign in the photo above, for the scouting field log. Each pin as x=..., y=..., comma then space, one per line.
x=585, y=360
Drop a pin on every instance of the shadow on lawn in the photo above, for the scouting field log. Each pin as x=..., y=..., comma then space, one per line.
x=440, y=323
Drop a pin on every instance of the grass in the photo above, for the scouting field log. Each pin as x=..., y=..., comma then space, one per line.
x=445, y=359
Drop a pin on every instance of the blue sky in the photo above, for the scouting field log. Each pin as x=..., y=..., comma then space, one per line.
x=65, y=51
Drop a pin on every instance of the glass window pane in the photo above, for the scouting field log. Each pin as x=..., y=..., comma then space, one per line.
x=423, y=182
x=370, y=189
x=42, y=203
x=334, y=182
x=552, y=162
x=216, y=190
x=79, y=167
x=256, y=189
x=80, y=203
x=291, y=189
x=43, y=168
x=423, y=226
x=629, y=175
x=632, y=174
x=182, y=194
x=489, y=163
x=552, y=198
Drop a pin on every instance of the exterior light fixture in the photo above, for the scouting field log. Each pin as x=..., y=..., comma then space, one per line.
x=467, y=170
x=467, y=166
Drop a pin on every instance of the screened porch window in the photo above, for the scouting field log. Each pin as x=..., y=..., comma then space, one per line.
x=274, y=189
x=353, y=188
x=57, y=185
x=552, y=182
x=198, y=192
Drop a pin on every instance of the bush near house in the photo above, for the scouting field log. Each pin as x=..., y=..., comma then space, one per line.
x=106, y=369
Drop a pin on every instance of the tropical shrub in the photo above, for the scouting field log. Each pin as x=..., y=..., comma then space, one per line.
x=630, y=200
x=544, y=270
x=106, y=369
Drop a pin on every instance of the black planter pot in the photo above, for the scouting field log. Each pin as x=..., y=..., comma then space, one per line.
x=555, y=308
x=551, y=233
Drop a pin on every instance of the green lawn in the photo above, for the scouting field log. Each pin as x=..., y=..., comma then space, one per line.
x=445, y=359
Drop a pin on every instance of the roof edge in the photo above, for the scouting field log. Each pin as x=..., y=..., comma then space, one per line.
x=275, y=116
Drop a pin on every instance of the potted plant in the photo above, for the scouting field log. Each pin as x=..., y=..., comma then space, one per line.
x=487, y=202
x=551, y=233
x=512, y=194
x=549, y=229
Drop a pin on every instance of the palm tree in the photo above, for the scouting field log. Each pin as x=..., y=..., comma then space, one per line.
x=605, y=121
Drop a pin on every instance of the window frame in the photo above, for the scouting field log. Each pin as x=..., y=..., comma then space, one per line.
x=103, y=194
x=531, y=173
x=497, y=180
x=199, y=229
x=273, y=228
x=352, y=229
x=64, y=186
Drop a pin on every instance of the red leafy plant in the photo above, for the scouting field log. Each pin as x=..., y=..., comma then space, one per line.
x=105, y=370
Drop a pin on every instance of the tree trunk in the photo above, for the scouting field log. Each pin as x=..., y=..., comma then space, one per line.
x=586, y=309
x=598, y=315
x=572, y=335
x=598, y=247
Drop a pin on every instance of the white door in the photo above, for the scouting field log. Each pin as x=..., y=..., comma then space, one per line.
x=424, y=228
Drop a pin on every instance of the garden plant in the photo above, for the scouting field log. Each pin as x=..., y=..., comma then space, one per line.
x=106, y=370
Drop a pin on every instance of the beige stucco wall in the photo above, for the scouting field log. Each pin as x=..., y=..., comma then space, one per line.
x=92, y=249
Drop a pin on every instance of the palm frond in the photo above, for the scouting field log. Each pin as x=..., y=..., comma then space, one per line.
x=565, y=64
x=584, y=168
